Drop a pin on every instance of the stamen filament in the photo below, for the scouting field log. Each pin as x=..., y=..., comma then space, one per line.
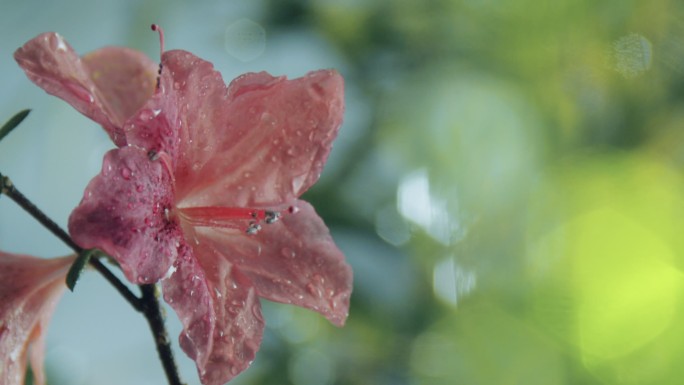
x=159, y=29
x=214, y=214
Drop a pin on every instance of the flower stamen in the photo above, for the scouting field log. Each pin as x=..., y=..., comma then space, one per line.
x=156, y=27
x=230, y=217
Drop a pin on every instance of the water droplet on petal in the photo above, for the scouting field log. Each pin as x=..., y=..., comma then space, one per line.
x=287, y=252
x=126, y=173
x=292, y=151
x=176, y=86
x=247, y=174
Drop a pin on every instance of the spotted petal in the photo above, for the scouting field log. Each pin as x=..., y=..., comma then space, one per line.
x=124, y=212
x=264, y=139
x=220, y=313
x=29, y=290
x=292, y=261
x=108, y=85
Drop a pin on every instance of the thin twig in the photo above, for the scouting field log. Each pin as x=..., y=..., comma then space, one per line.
x=11, y=191
x=148, y=305
x=154, y=317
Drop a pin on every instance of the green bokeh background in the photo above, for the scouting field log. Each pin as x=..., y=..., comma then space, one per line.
x=508, y=188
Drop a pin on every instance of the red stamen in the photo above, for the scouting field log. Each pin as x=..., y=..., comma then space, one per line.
x=231, y=217
x=212, y=216
x=156, y=27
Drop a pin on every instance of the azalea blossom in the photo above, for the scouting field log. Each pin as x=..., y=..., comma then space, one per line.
x=203, y=193
x=29, y=290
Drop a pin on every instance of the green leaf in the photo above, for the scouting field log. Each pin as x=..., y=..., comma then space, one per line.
x=78, y=266
x=13, y=122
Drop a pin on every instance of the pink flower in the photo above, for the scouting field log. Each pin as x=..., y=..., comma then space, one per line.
x=108, y=85
x=204, y=197
x=29, y=290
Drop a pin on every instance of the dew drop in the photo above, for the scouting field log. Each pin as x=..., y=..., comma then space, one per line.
x=292, y=151
x=287, y=252
x=274, y=158
x=298, y=132
x=247, y=174
x=126, y=173
x=60, y=44
x=176, y=86
x=314, y=290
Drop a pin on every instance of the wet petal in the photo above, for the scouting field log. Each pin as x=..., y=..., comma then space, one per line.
x=292, y=261
x=29, y=290
x=124, y=211
x=107, y=86
x=263, y=139
x=221, y=315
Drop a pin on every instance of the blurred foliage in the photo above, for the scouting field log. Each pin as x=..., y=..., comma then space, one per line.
x=523, y=164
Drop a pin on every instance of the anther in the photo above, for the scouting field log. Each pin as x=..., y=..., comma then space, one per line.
x=271, y=217
x=253, y=228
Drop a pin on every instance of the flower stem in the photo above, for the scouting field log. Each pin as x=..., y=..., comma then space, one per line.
x=153, y=314
x=11, y=191
x=148, y=305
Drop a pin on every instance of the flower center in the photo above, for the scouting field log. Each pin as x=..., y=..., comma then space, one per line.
x=246, y=219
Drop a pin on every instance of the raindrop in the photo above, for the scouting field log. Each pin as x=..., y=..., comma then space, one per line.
x=176, y=86
x=287, y=252
x=298, y=132
x=126, y=173
x=81, y=92
x=60, y=44
x=274, y=158
x=247, y=174
x=311, y=288
x=312, y=136
x=256, y=311
x=292, y=151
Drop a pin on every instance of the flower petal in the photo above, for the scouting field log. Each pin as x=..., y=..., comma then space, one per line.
x=107, y=85
x=264, y=139
x=220, y=313
x=124, y=212
x=292, y=261
x=29, y=290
